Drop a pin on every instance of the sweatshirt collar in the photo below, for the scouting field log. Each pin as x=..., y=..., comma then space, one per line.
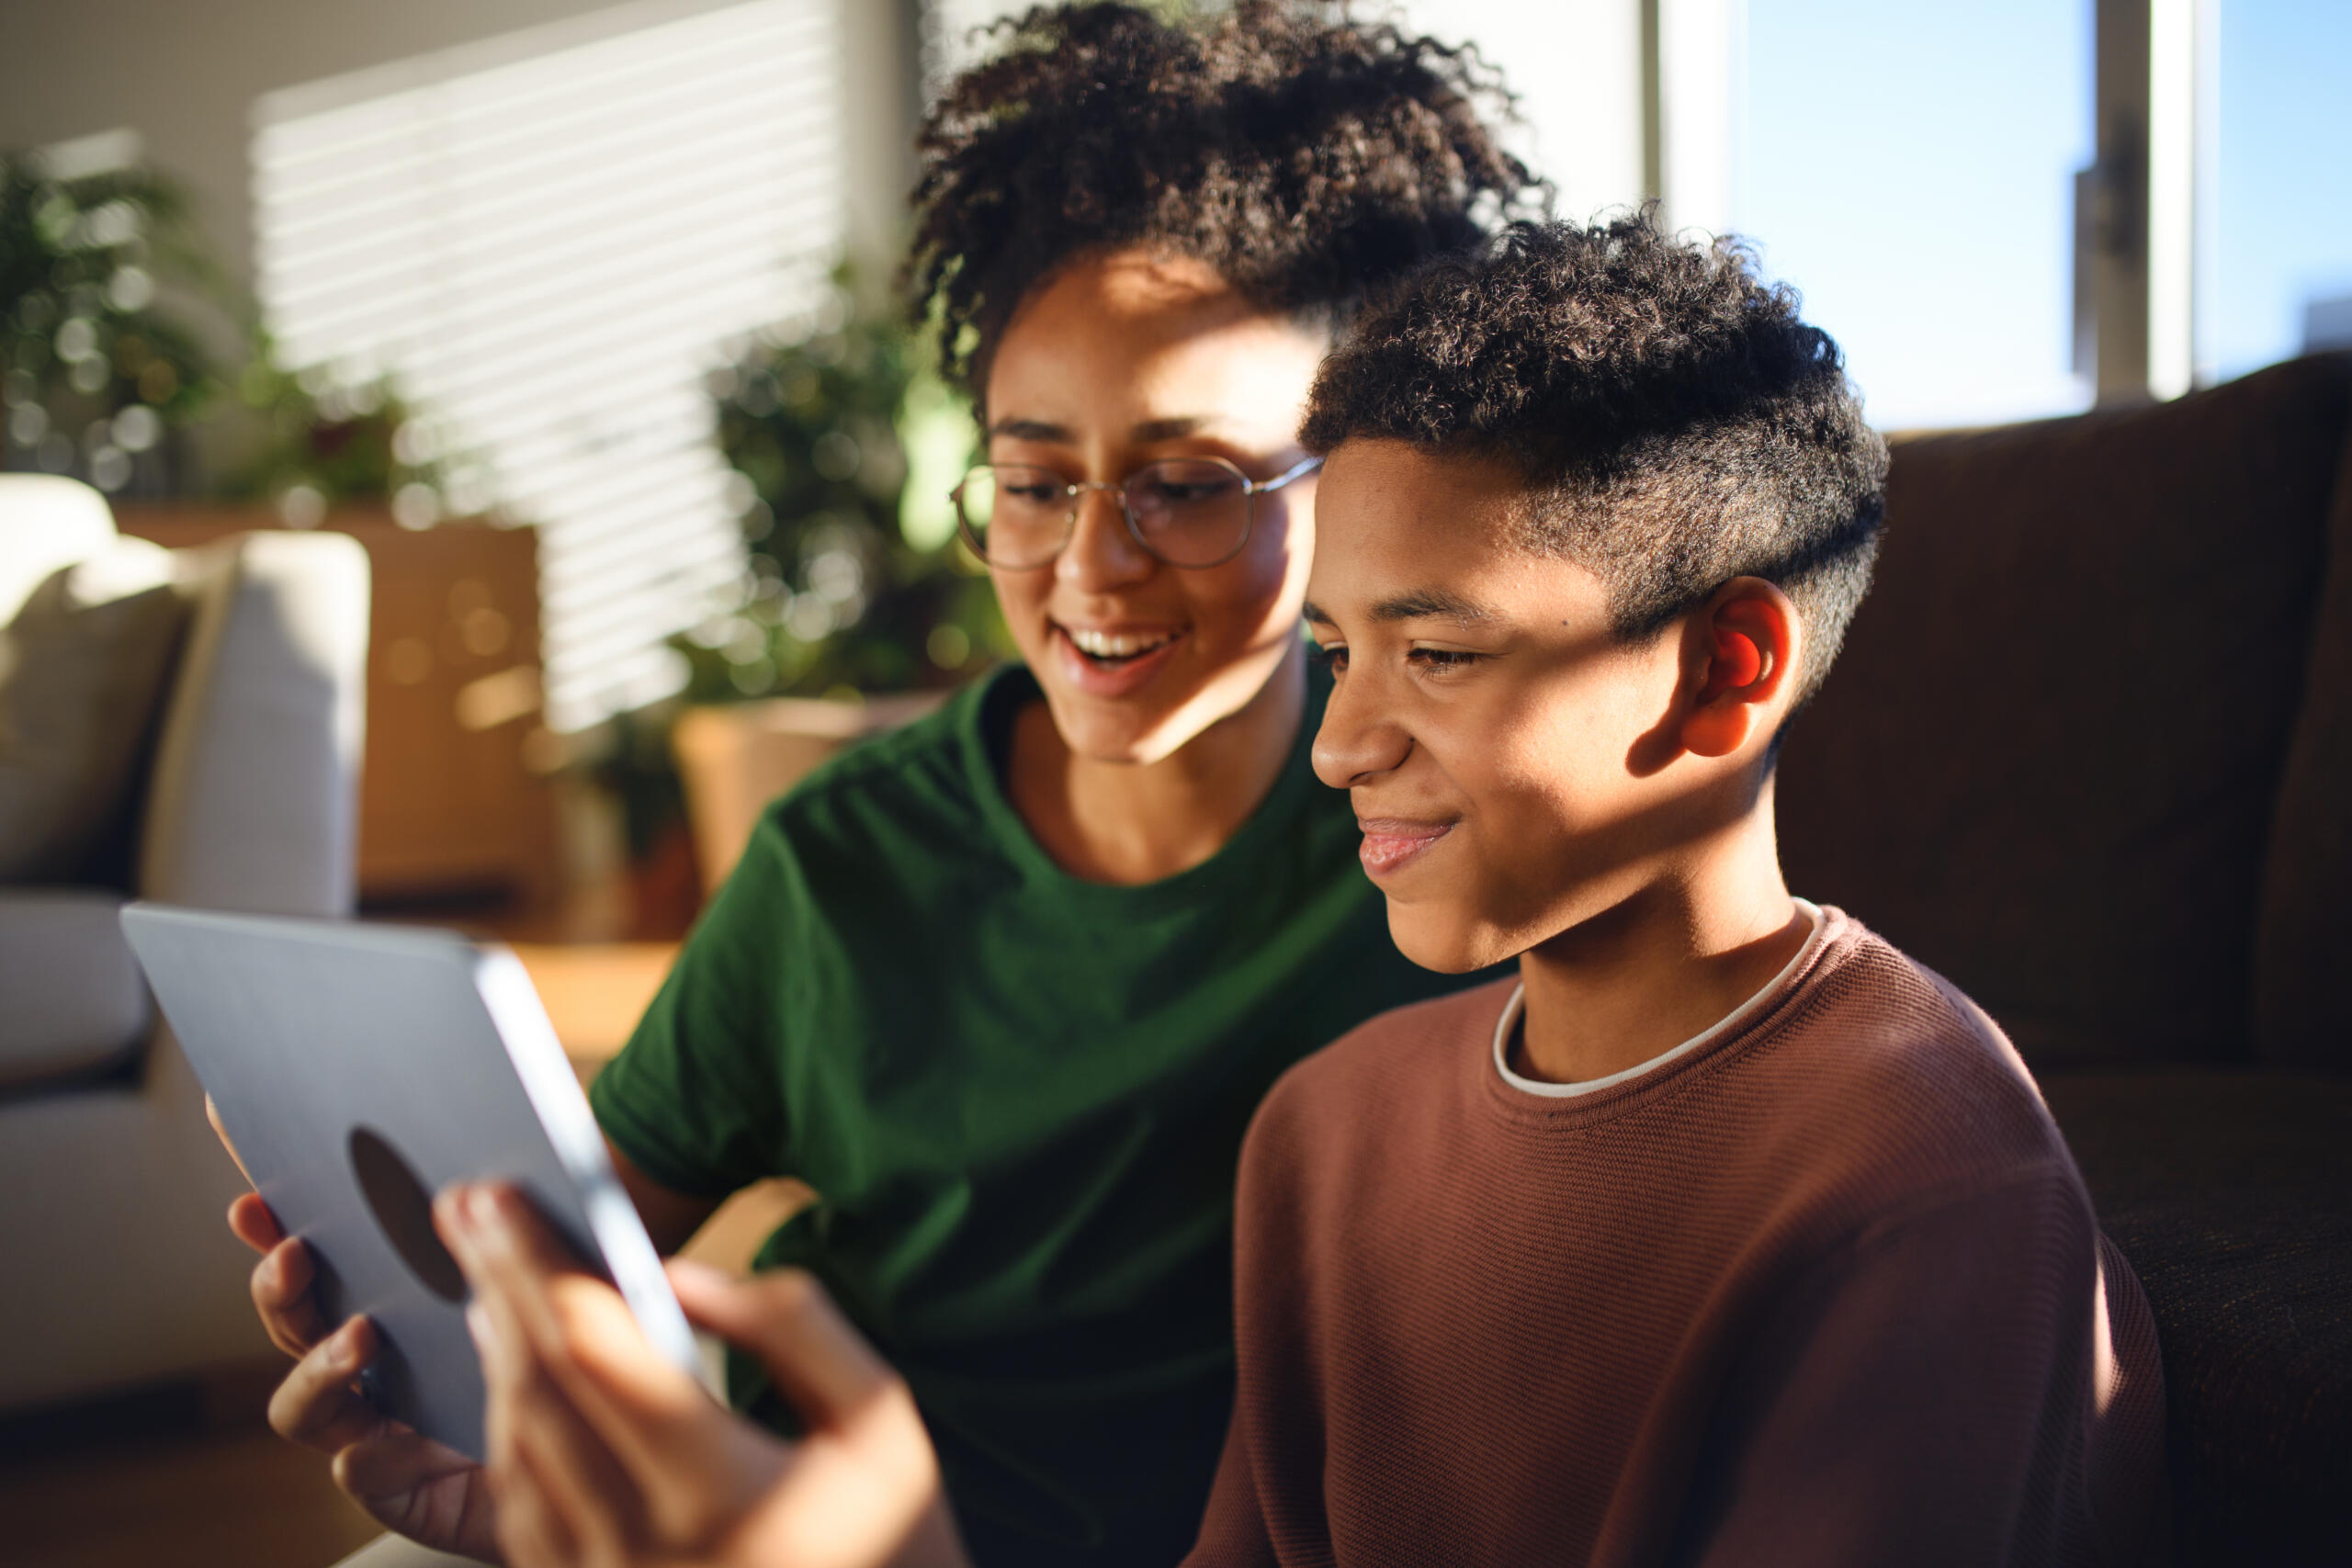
x=1507, y=1025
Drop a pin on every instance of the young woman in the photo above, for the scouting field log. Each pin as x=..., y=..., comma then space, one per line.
x=1005, y=988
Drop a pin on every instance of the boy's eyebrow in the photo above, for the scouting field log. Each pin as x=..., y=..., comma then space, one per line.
x=1422, y=604
x=1171, y=429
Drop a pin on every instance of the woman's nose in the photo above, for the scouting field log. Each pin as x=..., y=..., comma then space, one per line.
x=1101, y=554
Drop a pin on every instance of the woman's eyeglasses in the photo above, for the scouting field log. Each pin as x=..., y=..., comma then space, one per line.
x=1188, y=511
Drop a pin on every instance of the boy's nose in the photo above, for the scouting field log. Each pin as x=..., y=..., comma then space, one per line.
x=1101, y=554
x=1357, y=744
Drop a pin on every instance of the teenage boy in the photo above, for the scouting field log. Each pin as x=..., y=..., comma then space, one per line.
x=1724, y=1232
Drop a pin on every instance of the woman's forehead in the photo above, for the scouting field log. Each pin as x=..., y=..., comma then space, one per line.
x=1100, y=353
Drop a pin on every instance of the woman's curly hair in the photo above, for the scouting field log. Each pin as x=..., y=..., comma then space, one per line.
x=1305, y=155
x=1676, y=424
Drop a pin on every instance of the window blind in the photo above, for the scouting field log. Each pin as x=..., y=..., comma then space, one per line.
x=547, y=240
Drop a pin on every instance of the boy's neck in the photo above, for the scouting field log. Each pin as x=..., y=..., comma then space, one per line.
x=1131, y=823
x=1680, y=953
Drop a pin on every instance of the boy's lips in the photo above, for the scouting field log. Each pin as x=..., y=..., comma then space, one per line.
x=1392, y=843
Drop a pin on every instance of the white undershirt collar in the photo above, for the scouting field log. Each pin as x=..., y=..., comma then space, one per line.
x=1730, y=1020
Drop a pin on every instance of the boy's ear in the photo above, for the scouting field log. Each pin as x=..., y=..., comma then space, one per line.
x=1741, y=651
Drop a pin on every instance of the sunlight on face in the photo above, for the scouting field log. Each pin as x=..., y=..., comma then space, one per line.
x=1489, y=730
x=1117, y=362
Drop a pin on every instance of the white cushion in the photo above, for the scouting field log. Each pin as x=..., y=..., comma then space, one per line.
x=83, y=667
x=46, y=522
x=76, y=1004
x=252, y=803
x=398, y=1551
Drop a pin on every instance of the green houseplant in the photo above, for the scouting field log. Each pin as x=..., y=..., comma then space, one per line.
x=861, y=605
x=98, y=362
x=843, y=450
x=324, y=443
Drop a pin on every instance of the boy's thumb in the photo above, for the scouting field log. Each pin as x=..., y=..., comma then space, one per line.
x=822, y=1364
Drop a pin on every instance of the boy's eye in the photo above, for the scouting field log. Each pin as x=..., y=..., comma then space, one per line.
x=1331, y=655
x=1441, y=658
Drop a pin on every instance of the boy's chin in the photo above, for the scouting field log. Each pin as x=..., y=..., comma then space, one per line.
x=1443, y=940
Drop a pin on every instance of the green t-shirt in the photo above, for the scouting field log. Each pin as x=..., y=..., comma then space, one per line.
x=1019, y=1097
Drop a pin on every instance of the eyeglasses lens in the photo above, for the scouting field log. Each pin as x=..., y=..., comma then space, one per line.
x=1017, y=516
x=1191, y=513
x=1188, y=511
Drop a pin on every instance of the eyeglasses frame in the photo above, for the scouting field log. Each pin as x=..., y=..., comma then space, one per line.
x=1250, y=491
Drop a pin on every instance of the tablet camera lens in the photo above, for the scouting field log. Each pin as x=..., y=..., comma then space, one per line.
x=404, y=1209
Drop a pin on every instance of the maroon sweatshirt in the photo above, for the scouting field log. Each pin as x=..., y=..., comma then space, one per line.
x=1821, y=1287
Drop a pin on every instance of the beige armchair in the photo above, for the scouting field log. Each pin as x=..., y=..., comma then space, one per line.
x=239, y=794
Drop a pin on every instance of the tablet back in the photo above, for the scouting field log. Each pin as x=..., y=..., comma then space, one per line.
x=360, y=1070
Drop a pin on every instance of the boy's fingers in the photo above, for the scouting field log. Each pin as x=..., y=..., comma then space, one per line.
x=542, y=1312
x=824, y=1366
x=250, y=1221
x=530, y=1533
x=316, y=1405
x=394, y=1461
x=282, y=1295
x=502, y=1228
x=657, y=1420
x=559, y=1313
x=512, y=1262
x=583, y=1483
x=541, y=1469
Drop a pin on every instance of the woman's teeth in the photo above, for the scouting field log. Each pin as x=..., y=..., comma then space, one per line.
x=1110, y=645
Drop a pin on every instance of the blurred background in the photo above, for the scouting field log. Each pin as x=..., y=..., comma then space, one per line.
x=577, y=320
x=594, y=302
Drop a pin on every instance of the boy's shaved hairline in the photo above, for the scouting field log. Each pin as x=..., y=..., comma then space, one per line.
x=1571, y=520
x=1673, y=422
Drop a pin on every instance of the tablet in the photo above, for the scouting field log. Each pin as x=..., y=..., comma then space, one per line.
x=359, y=1070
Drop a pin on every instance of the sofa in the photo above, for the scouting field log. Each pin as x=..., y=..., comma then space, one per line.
x=2088, y=753
x=181, y=725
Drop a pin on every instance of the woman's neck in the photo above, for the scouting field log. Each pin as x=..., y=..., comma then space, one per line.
x=1129, y=823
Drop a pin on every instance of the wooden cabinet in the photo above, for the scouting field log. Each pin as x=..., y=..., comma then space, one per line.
x=733, y=759
x=450, y=802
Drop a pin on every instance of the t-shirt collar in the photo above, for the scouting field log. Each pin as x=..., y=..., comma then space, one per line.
x=1512, y=1010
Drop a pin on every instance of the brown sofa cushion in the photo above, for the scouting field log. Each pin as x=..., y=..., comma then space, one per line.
x=82, y=671
x=2302, y=1006
x=2230, y=1191
x=2047, y=761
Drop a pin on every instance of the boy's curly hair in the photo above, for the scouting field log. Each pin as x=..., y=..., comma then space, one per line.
x=1679, y=424
x=1305, y=155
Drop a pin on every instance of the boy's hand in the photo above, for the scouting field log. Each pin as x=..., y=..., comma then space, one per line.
x=405, y=1481
x=602, y=1451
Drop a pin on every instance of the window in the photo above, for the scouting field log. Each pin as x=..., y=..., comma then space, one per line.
x=2283, y=276
x=1910, y=168
x=547, y=240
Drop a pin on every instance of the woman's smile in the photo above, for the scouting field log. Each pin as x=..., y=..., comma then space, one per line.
x=1099, y=662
